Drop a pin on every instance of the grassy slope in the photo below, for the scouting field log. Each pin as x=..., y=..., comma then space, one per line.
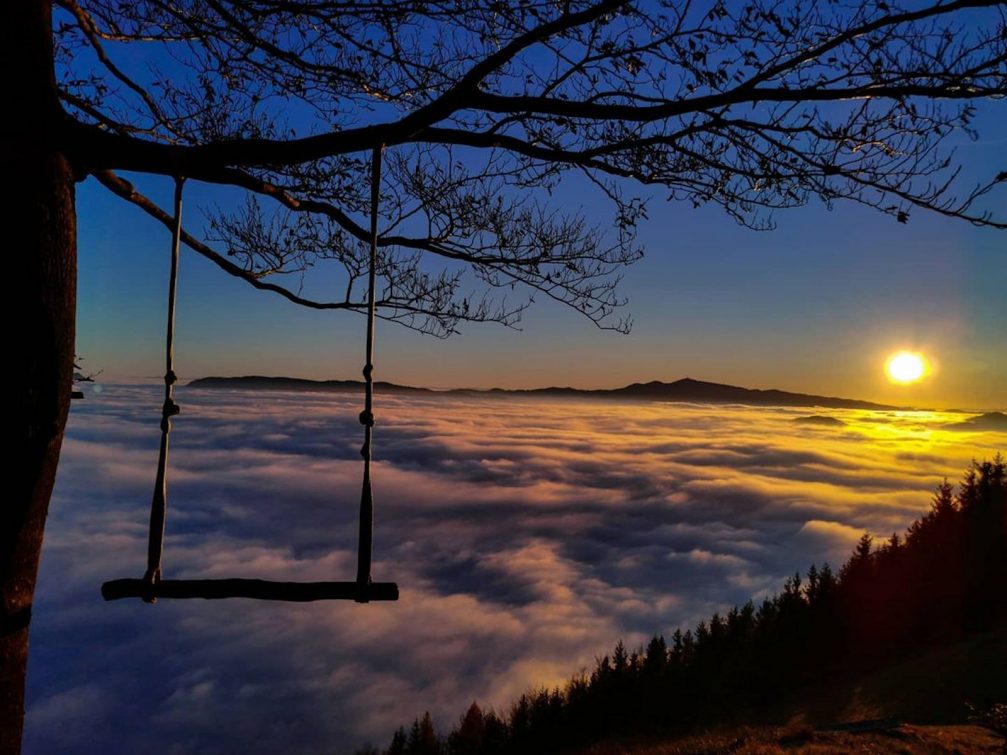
x=928, y=692
x=938, y=740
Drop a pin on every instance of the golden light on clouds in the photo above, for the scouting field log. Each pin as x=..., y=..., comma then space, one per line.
x=906, y=367
x=620, y=517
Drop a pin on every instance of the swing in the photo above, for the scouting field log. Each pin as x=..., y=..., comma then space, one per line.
x=152, y=586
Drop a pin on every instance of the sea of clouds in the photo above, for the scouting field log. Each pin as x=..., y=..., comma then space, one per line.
x=526, y=535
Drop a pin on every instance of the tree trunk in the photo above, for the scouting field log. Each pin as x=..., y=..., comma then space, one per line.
x=39, y=229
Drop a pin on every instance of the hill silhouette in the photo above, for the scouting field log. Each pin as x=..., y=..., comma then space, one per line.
x=818, y=419
x=996, y=421
x=940, y=589
x=684, y=390
x=265, y=383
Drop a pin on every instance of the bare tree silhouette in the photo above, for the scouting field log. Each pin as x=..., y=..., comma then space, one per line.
x=485, y=109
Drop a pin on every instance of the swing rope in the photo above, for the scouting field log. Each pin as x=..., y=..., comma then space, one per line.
x=159, y=502
x=367, y=415
x=363, y=590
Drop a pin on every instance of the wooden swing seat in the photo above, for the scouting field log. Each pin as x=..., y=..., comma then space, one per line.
x=257, y=589
x=152, y=587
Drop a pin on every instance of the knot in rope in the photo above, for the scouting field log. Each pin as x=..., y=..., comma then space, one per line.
x=150, y=581
x=366, y=418
x=170, y=378
x=168, y=410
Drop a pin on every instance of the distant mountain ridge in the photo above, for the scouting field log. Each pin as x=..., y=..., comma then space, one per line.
x=988, y=421
x=261, y=382
x=684, y=390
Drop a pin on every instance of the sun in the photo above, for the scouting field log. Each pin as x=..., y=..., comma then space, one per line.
x=905, y=367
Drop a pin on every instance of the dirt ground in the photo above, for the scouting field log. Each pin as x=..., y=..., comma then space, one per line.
x=903, y=738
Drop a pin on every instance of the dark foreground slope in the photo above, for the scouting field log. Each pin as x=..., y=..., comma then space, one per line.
x=868, y=713
x=898, y=739
x=914, y=628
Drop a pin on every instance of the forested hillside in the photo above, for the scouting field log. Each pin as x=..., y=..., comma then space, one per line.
x=943, y=580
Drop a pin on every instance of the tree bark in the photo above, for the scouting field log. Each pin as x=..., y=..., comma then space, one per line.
x=40, y=234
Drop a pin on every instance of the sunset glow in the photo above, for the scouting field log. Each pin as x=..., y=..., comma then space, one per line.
x=497, y=531
x=488, y=378
x=905, y=367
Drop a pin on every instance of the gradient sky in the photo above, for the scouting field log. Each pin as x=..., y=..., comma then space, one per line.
x=815, y=305
x=527, y=535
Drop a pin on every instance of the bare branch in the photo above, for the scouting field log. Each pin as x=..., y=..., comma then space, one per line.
x=487, y=109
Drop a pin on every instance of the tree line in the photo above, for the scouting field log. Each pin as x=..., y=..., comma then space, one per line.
x=941, y=581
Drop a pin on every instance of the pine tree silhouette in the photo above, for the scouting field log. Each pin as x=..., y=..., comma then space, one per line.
x=944, y=579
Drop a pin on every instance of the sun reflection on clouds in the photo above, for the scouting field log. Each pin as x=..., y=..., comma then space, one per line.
x=526, y=535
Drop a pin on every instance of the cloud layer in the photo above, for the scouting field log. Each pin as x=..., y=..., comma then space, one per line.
x=526, y=537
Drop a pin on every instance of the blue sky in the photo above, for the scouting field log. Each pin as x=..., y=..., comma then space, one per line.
x=815, y=305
